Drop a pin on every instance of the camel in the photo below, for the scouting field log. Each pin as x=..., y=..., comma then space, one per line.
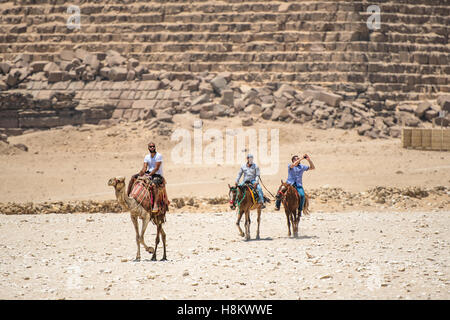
x=241, y=197
x=291, y=199
x=137, y=211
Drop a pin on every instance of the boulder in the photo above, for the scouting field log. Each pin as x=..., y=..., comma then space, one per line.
x=69, y=55
x=444, y=102
x=431, y=114
x=164, y=116
x=328, y=97
x=346, y=121
x=118, y=74
x=5, y=67
x=280, y=114
x=207, y=115
x=422, y=108
x=200, y=99
x=246, y=122
x=267, y=114
x=219, y=110
x=362, y=129
x=219, y=83
x=227, y=98
x=51, y=67
x=253, y=109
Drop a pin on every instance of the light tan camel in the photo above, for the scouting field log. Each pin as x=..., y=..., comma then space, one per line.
x=137, y=211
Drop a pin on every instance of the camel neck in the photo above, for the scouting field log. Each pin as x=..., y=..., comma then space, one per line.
x=122, y=199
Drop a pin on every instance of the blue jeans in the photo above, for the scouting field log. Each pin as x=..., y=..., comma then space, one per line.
x=258, y=189
x=301, y=193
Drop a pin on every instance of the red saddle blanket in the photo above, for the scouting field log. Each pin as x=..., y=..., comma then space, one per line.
x=142, y=195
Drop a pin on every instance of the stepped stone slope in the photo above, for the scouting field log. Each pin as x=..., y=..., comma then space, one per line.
x=280, y=60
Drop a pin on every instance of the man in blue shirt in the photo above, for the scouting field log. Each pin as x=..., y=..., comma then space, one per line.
x=251, y=174
x=295, y=175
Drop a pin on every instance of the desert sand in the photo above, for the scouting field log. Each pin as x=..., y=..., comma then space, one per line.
x=359, y=253
x=353, y=255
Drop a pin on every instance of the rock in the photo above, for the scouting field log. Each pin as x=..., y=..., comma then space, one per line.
x=3, y=85
x=329, y=98
x=104, y=72
x=304, y=109
x=219, y=83
x=362, y=129
x=113, y=58
x=91, y=60
x=21, y=146
x=164, y=116
x=280, y=114
x=422, y=108
x=395, y=131
x=431, y=114
x=201, y=99
x=4, y=138
x=207, y=115
x=247, y=122
x=253, y=109
x=131, y=75
x=5, y=67
x=50, y=67
x=219, y=110
x=267, y=114
x=444, y=102
x=227, y=98
x=118, y=74
x=285, y=88
x=56, y=76
x=67, y=55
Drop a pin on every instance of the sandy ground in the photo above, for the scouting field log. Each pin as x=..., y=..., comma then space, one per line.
x=364, y=253
x=75, y=164
x=353, y=255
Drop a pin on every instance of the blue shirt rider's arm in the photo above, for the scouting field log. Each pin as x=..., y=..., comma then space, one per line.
x=239, y=175
x=257, y=175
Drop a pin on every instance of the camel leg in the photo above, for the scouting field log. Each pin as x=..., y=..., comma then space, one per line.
x=241, y=233
x=145, y=222
x=136, y=228
x=259, y=220
x=163, y=236
x=158, y=230
x=288, y=223
x=247, y=225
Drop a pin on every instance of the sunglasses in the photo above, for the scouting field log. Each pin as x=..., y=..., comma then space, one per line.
x=150, y=147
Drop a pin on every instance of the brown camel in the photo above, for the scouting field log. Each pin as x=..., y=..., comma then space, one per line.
x=240, y=197
x=137, y=211
x=291, y=201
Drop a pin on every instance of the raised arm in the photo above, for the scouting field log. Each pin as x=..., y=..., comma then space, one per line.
x=311, y=164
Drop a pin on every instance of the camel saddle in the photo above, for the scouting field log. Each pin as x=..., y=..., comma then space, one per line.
x=142, y=192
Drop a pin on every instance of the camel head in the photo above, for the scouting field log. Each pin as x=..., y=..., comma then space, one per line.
x=118, y=183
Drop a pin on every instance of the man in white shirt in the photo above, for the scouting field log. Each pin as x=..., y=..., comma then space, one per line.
x=153, y=168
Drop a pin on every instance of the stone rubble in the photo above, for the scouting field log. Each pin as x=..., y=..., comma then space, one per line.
x=393, y=197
